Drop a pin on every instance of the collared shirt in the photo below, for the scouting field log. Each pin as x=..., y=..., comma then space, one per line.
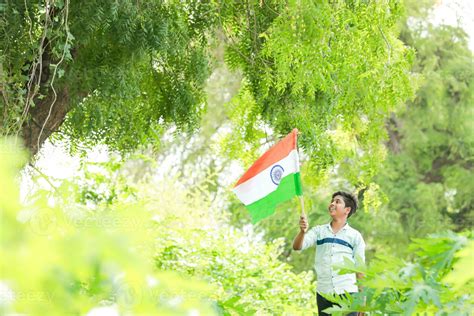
x=331, y=249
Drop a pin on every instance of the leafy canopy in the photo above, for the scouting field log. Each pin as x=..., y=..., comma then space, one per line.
x=332, y=69
x=122, y=70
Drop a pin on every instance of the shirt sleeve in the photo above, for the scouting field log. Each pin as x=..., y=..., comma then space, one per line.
x=310, y=238
x=359, y=248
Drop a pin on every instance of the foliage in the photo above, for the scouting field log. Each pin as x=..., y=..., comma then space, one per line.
x=151, y=247
x=201, y=156
x=331, y=69
x=66, y=258
x=165, y=248
x=423, y=285
x=247, y=272
x=427, y=174
x=126, y=70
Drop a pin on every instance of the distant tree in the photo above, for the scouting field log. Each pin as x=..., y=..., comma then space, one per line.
x=428, y=173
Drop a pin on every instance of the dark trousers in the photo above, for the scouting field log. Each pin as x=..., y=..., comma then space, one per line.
x=324, y=303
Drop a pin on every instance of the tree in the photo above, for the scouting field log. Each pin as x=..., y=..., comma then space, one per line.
x=332, y=69
x=118, y=73
x=114, y=72
x=427, y=175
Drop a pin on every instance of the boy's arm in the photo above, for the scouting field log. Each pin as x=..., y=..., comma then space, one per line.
x=298, y=242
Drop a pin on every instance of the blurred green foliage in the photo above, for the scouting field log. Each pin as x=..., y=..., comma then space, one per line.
x=196, y=240
x=63, y=257
x=427, y=175
x=156, y=248
x=431, y=283
x=170, y=249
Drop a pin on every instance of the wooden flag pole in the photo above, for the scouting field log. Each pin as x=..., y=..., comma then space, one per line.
x=302, y=214
x=302, y=206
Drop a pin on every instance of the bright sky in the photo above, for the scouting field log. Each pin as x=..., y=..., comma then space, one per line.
x=456, y=12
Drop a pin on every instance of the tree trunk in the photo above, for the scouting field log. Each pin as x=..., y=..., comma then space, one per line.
x=45, y=118
x=393, y=126
x=50, y=111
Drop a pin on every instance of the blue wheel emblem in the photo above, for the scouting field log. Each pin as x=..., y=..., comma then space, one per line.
x=276, y=173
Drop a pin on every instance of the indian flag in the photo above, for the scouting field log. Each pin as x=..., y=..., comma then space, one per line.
x=272, y=179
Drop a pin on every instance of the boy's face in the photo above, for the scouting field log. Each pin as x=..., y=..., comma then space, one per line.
x=337, y=208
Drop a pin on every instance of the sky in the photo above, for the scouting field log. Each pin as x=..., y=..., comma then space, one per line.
x=452, y=12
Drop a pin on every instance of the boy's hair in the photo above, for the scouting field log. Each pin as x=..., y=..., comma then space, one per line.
x=349, y=199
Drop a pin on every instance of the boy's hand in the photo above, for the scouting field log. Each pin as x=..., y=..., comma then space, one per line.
x=303, y=224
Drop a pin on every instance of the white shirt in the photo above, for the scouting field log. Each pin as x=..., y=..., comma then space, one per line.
x=332, y=249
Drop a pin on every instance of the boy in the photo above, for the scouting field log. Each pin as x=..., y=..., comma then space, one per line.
x=334, y=242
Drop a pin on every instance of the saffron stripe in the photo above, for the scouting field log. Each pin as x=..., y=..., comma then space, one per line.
x=334, y=241
x=273, y=155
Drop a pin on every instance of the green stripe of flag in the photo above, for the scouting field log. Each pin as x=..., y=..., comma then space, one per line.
x=288, y=188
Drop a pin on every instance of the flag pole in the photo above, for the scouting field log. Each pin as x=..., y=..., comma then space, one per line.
x=303, y=214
